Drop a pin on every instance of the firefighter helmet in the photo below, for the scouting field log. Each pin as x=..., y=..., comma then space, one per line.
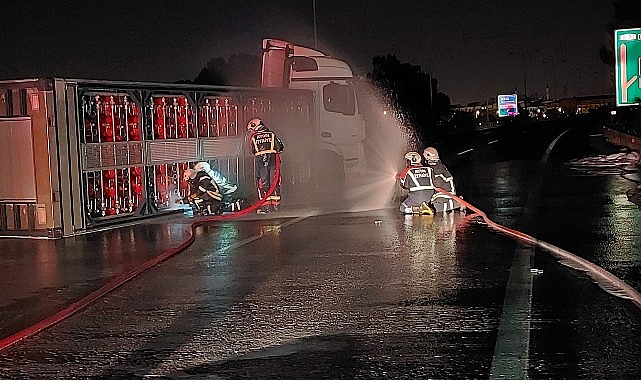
x=202, y=166
x=189, y=174
x=255, y=124
x=413, y=158
x=430, y=154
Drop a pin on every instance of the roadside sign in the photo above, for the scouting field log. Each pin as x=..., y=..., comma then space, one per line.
x=508, y=105
x=627, y=51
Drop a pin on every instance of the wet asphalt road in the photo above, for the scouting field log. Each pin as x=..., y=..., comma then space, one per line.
x=378, y=295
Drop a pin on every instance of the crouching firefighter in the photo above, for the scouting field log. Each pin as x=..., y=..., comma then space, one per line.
x=204, y=195
x=441, y=178
x=417, y=180
x=231, y=202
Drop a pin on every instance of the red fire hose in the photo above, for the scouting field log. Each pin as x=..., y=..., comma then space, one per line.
x=253, y=207
x=113, y=284
x=606, y=280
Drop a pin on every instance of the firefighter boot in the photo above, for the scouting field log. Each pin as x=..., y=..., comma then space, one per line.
x=426, y=209
x=214, y=209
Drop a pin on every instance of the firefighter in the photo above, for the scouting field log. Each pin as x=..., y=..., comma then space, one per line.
x=204, y=195
x=441, y=178
x=417, y=180
x=265, y=146
x=231, y=202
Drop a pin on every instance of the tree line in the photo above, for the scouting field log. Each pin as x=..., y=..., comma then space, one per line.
x=408, y=89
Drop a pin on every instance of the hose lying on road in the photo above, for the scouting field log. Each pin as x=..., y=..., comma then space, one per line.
x=625, y=164
x=606, y=280
x=123, y=278
x=617, y=163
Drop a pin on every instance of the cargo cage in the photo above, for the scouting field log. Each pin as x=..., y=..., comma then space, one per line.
x=84, y=154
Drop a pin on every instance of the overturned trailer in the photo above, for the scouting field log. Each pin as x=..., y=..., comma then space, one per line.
x=82, y=154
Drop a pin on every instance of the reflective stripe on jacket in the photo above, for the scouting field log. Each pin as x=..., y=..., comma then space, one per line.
x=417, y=178
x=206, y=186
x=264, y=142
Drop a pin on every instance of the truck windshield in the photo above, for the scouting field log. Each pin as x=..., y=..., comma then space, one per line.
x=339, y=98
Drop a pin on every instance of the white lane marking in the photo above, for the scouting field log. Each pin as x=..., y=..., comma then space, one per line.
x=465, y=151
x=492, y=142
x=512, y=350
x=549, y=149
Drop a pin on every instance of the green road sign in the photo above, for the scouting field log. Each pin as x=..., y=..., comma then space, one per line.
x=628, y=66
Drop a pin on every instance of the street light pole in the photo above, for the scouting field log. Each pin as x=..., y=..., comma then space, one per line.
x=315, y=35
x=554, y=62
x=524, y=84
x=524, y=78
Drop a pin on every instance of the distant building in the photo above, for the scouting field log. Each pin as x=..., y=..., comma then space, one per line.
x=486, y=112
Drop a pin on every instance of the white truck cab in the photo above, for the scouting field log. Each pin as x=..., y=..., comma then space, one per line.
x=340, y=126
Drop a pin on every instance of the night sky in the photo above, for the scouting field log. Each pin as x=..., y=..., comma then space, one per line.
x=474, y=48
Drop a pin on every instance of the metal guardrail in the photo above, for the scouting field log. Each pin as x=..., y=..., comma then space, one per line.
x=618, y=138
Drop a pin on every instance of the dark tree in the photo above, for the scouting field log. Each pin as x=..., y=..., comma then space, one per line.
x=412, y=92
x=239, y=70
x=627, y=14
x=441, y=104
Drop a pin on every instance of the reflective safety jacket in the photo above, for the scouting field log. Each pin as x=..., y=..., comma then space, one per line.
x=417, y=178
x=443, y=178
x=202, y=186
x=225, y=186
x=265, y=142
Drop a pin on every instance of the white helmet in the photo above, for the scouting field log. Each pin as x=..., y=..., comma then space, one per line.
x=413, y=158
x=189, y=174
x=202, y=166
x=255, y=124
x=431, y=154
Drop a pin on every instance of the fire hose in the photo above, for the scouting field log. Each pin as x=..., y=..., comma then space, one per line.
x=606, y=280
x=253, y=207
x=125, y=277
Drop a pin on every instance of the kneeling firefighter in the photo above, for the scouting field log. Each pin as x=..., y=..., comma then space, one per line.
x=231, y=202
x=204, y=195
x=441, y=178
x=417, y=180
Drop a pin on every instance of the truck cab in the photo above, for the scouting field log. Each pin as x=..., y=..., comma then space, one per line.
x=340, y=130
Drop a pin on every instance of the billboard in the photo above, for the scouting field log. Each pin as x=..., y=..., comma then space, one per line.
x=508, y=105
x=627, y=51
